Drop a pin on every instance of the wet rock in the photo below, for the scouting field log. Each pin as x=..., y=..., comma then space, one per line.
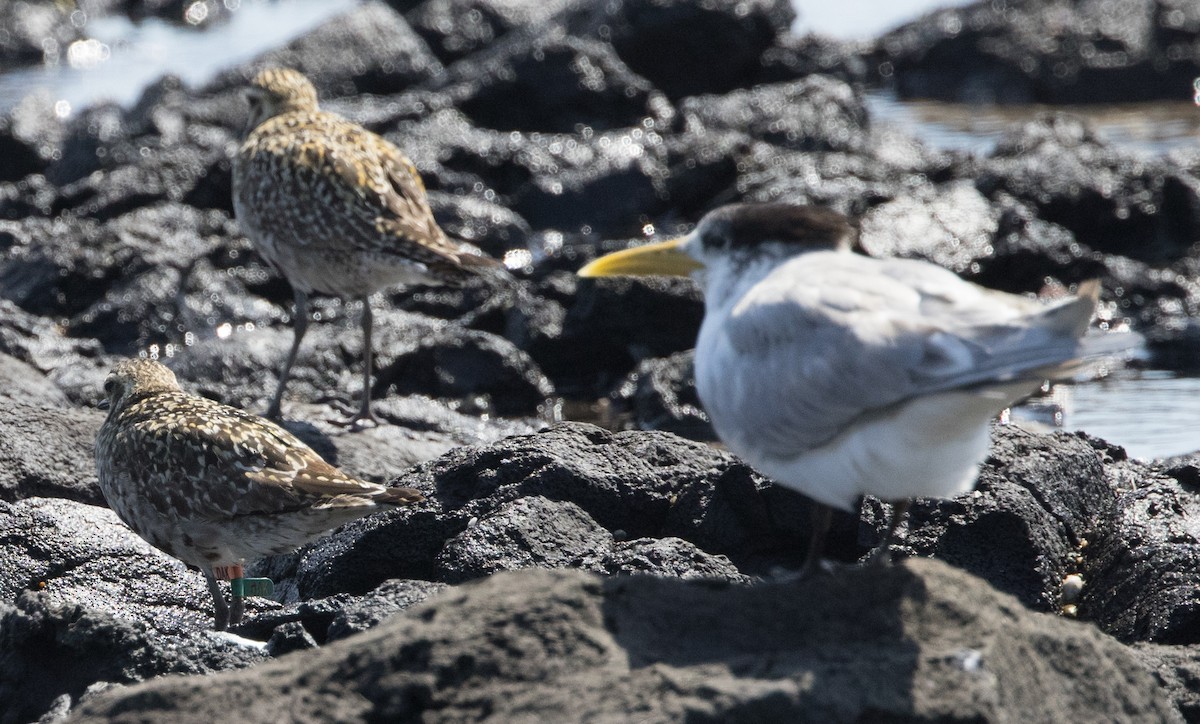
x=47, y=450
x=952, y=226
x=484, y=371
x=661, y=395
x=289, y=637
x=58, y=653
x=628, y=482
x=1142, y=572
x=526, y=533
x=817, y=113
x=369, y=49
x=388, y=599
x=552, y=83
x=1112, y=200
x=714, y=46
x=1099, y=51
x=612, y=324
x=457, y=28
x=30, y=137
x=538, y=644
x=493, y=228
x=798, y=56
x=34, y=32
x=83, y=554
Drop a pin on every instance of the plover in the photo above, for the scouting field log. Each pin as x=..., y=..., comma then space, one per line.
x=214, y=486
x=336, y=209
x=840, y=375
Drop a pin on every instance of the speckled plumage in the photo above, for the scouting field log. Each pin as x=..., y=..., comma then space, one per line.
x=336, y=208
x=212, y=485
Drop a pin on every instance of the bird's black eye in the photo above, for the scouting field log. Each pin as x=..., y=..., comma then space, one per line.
x=109, y=386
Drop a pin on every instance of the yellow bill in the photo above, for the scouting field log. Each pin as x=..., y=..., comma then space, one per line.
x=665, y=258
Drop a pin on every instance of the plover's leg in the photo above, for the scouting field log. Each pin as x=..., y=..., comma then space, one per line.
x=300, y=326
x=882, y=555
x=364, y=414
x=220, y=608
x=822, y=518
x=237, y=606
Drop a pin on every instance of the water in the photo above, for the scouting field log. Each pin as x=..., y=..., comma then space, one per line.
x=1152, y=414
x=121, y=57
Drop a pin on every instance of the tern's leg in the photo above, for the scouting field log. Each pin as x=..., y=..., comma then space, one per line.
x=882, y=555
x=220, y=608
x=364, y=413
x=300, y=325
x=822, y=518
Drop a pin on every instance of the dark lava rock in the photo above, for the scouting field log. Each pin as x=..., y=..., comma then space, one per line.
x=1046, y=51
x=1142, y=572
x=369, y=49
x=526, y=533
x=289, y=637
x=463, y=364
x=49, y=650
x=684, y=47
x=48, y=451
x=920, y=641
x=493, y=228
x=552, y=83
x=817, y=113
x=628, y=482
x=798, y=56
x=31, y=137
x=1113, y=201
x=661, y=395
x=32, y=32
x=613, y=323
x=457, y=28
x=77, y=553
x=952, y=226
x=388, y=599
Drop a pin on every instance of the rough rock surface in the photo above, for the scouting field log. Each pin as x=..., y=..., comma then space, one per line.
x=921, y=641
x=548, y=133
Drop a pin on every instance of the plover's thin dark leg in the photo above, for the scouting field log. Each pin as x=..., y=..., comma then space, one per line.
x=364, y=409
x=220, y=608
x=300, y=326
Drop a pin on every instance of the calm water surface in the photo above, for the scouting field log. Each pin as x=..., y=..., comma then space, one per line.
x=1153, y=414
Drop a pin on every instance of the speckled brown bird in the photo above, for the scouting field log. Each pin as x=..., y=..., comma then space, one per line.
x=212, y=485
x=336, y=208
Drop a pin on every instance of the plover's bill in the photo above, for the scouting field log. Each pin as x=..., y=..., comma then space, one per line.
x=214, y=486
x=839, y=375
x=336, y=208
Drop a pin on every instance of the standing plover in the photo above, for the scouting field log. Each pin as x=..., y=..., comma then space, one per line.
x=214, y=486
x=840, y=375
x=336, y=208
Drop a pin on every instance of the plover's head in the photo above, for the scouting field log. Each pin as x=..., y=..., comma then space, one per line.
x=136, y=378
x=278, y=90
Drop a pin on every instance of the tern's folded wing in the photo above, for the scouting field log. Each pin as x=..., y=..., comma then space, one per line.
x=808, y=360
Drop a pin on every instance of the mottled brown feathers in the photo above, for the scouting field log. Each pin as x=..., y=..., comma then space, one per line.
x=182, y=470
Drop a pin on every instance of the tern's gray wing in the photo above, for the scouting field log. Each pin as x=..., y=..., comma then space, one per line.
x=829, y=338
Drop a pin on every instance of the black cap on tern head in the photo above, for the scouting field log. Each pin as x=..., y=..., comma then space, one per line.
x=744, y=226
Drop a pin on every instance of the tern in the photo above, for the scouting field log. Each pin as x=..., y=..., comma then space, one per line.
x=841, y=375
